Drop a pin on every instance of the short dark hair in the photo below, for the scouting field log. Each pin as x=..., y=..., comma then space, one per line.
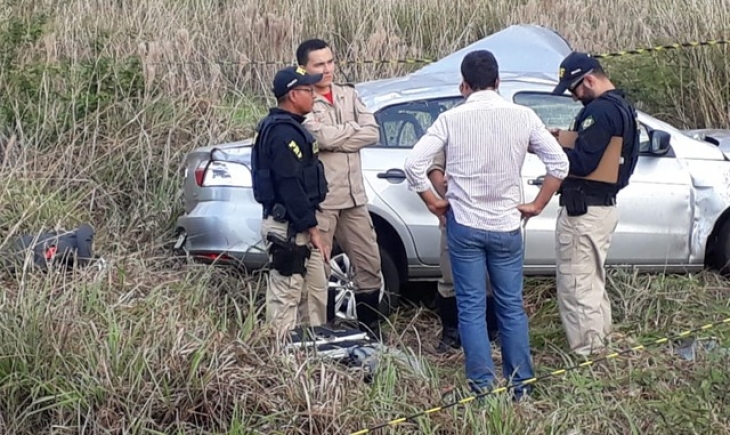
x=479, y=70
x=308, y=46
x=599, y=72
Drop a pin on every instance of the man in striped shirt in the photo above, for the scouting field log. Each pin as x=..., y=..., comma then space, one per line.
x=486, y=139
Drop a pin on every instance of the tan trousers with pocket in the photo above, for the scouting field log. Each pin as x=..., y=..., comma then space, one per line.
x=353, y=228
x=582, y=244
x=295, y=300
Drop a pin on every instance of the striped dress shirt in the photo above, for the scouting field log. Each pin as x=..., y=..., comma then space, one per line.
x=485, y=140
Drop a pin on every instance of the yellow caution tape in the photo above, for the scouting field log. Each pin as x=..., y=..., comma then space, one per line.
x=420, y=61
x=534, y=380
x=690, y=44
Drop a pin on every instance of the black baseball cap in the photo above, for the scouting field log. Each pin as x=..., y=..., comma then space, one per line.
x=288, y=78
x=573, y=68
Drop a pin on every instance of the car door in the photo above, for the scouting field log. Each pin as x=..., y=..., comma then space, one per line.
x=655, y=212
x=654, y=209
x=401, y=125
x=555, y=112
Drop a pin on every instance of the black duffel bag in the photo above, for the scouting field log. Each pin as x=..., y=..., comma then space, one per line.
x=52, y=249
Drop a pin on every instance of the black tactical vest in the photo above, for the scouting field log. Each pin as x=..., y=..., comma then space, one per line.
x=629, y=150
x=265, y=190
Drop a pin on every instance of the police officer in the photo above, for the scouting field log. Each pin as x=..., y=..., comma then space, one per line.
x=289, y=182
x=446, y=297
x=602, y=159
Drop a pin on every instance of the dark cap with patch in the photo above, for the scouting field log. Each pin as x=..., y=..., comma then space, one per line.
x=289, y=78
x=573, y=68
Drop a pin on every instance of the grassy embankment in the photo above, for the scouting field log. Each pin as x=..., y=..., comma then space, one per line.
x=100, y=102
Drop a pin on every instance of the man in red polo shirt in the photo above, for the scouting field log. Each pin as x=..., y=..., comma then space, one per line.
x=342, y=126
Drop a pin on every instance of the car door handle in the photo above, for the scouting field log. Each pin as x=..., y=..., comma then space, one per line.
x=393, y=174
x=536, y=181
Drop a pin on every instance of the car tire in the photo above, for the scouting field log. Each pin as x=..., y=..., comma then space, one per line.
x=391, y=298
x=720, y=253
x=391, y=280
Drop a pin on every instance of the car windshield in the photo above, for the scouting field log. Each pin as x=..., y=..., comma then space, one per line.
x=556, y=111
x=401, y=125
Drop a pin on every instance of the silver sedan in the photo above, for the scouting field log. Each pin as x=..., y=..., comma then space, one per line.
x=674, y=216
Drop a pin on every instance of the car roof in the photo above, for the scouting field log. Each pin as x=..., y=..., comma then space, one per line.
x=387, y=95
x=528, y=56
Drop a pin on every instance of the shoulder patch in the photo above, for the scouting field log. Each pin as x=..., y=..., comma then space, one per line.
x=295, y=149
x=587, y=122
x=315, y=147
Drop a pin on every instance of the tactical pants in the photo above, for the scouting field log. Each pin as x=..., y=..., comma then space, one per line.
x=581, y=244
x=353, y=228
x=294, y=300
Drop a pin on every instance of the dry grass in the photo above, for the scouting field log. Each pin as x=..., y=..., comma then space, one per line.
x=100, y=102
x=203, y=49
x=136, y=349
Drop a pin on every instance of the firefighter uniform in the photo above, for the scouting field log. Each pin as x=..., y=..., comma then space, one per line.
x=342, y=127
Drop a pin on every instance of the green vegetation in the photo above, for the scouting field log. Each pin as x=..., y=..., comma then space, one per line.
x=101, y=101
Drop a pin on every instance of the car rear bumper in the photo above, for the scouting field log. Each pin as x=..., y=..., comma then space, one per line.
x=224, y=231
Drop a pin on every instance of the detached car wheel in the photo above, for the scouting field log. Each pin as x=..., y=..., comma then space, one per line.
x=341, y=291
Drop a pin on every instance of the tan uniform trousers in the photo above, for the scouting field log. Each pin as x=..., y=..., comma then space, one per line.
x=582, y=244
x=445, y=284
x=353, y=228
x=295, y=300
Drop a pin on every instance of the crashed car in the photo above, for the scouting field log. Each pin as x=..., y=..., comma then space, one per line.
x=674, y=216
x=716, y=136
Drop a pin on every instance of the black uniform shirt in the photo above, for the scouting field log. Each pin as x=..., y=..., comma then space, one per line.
x=290, y=151
x=595, y=124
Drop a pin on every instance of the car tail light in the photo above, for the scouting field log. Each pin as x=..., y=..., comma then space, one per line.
x=216, y=173
x=200, y=172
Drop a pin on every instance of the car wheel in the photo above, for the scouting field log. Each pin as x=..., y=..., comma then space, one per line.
x=341, y=301
x=720, y=253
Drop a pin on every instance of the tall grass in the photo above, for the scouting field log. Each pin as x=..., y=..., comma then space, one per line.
x=99, y=102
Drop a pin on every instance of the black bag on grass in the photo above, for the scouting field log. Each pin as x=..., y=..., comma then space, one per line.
x=53, y=249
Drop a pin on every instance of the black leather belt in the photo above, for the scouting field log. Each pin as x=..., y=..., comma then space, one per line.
x=595, y=200
x=600, y=200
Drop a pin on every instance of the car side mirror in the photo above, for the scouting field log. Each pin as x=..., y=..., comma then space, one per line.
x=659, y=142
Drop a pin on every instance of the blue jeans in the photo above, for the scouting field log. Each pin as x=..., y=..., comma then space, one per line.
x=475, y=253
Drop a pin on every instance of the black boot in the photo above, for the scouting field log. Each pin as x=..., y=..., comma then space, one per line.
x=492, y=325
x=450, y=324
x=368, y=314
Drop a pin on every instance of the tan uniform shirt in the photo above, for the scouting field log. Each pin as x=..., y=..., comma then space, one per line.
x=341, y=130
x=438, y=162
